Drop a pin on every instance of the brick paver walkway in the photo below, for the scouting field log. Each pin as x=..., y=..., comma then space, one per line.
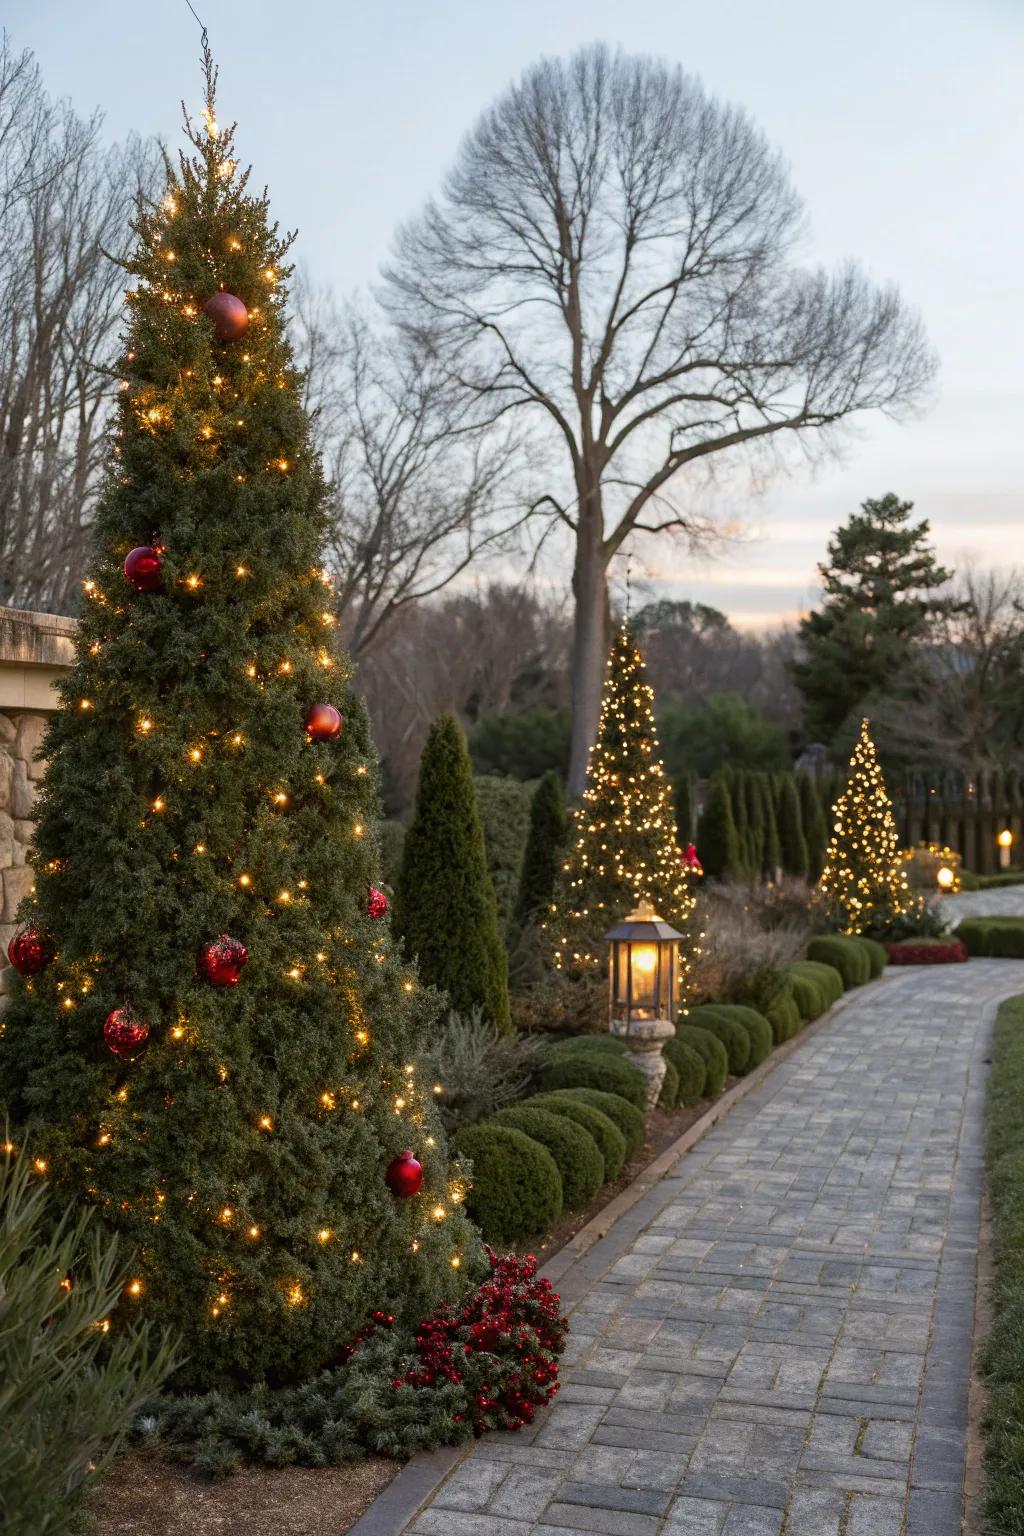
x=782, y=1347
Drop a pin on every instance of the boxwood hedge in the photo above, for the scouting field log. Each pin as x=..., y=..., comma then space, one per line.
x=517, y=1189
x=587, y=1068
x=574, y=1150
x=630, y=1120
x=711, y=1049
x=610, y=1141
x=690, y=1069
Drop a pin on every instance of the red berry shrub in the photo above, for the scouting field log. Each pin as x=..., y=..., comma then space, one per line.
x=907, y=952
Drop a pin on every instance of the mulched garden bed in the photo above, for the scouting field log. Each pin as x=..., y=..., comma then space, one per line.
x=146, y=1495
x=926, y=952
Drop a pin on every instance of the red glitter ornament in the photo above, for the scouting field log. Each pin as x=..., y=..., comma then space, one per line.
x=228, y=314
x=125, y=1033
x=30, y=951
x=691, y=861
x=377, y=904
x=223, y=961
x=142, y=568
x=323, y=722
x=404, y=1175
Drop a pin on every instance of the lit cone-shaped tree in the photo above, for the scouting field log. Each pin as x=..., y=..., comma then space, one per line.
x=863, y=886
x=623, y=846
x=243, y=1149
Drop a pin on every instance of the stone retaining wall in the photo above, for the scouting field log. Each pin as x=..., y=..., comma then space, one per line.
x=36, y=649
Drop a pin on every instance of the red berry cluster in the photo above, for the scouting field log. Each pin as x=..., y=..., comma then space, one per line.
x=500, y=1344
x=379, y=1320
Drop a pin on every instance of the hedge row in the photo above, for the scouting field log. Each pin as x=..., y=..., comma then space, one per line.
x=586, y=1116
x=1000, y=938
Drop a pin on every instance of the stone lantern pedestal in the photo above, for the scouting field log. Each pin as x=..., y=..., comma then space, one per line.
x=644, y=1040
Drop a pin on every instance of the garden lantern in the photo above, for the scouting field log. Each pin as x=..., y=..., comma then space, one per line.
x=643, y=982
x=1005, y=841
x=945, y=878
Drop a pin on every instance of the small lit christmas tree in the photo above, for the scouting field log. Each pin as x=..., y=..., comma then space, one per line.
x=863, y=885
x=215, y=1034
x=623, y=846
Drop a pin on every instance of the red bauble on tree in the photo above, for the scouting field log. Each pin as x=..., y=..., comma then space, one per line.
x=404, y=1175
x=125, y=1033
x=323, y=722
x=377, y=902
x=143, y=570
x=30, y=951
x=228, y=314
x=223, y=961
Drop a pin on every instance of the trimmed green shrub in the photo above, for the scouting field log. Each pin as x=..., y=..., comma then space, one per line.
x=504, y=809
x=690, y=1070
x=808, y=996
x=445, y=908
x=783, y=1015
x=717, y=838
x=517, y=1189
x=875, y=952
x=630, y=1120
x=711, y=1051
x=574, y=1150
x=668, y=1097
x=611, y=1143
x=825, y=976
x=996, y=937
x=756, y=1025
x=69, y=1395
x=542, y=854
x=849, y=959
x=610, y=1043
x=732, y=1035
x=591, y=1069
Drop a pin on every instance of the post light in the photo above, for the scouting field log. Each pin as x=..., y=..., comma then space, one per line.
x=643, y=983
x=945, y=878
x=1005, y=841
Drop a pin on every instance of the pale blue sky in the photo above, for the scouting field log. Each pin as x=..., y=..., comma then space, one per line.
x=900, y=119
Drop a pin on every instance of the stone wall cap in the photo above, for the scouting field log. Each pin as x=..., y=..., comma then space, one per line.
x=36, y=639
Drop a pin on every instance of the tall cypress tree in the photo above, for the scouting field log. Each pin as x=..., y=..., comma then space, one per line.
x=793, y=843
x=717, y=841
x=543, y=852
x=445, y=907
x=686, y=808
x=210, y=800
x=812, y=819
x=771, y=861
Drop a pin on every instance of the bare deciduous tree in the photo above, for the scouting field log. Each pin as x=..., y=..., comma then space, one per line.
x=612, y=257
x=421, y=489
x=65, y=200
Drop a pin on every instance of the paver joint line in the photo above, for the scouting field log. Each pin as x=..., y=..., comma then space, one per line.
x=781, y=1331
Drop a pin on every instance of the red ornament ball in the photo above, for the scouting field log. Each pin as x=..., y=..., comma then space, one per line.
x=223, y=961
x=377, y=903
x=404, y=1175
x=142, y=568
x=30, y=951
x=125, y=1033
x=323, y=722
x=228, y=314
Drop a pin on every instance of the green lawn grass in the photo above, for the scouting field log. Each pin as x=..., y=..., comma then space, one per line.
x=1002, y=1358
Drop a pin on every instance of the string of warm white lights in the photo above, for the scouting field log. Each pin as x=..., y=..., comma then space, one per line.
x=864, y=877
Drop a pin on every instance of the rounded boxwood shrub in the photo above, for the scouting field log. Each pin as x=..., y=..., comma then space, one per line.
x=732, y=1035
x=690, y=1069
x=591, y=1069
x=756, y=1026
x=574, y=1150
x=630, y=1120
x=608, y=1044
x=1000, y=938
x=517, y=1189
x=876, y=954
x=849, y=959
x=668, y=1097
x=712, y=1052
x=610, y=1141
x=784, y=1016
x=825, y=976
x=808, y=996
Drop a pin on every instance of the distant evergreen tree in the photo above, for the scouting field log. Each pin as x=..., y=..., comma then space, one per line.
x=445, y=907
x=772, y=855
x=717, y=841
x=737, y=797
x=812, y=819
x=686, y=809
x=880, y=582
x=756, y=828
x=795, y=856
x=543, y=852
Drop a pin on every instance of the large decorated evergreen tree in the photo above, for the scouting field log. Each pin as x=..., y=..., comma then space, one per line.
x=863, y=885
x=623, y=846
x=215, y=1034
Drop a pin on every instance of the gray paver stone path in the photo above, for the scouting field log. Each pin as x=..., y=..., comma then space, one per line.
x=783, y=1346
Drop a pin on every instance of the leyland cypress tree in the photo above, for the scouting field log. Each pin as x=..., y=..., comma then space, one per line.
x=812, y=819
x=543, y=852
x=791, y=832
x=445, y=907
x=717, y=839
x=210, y=800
